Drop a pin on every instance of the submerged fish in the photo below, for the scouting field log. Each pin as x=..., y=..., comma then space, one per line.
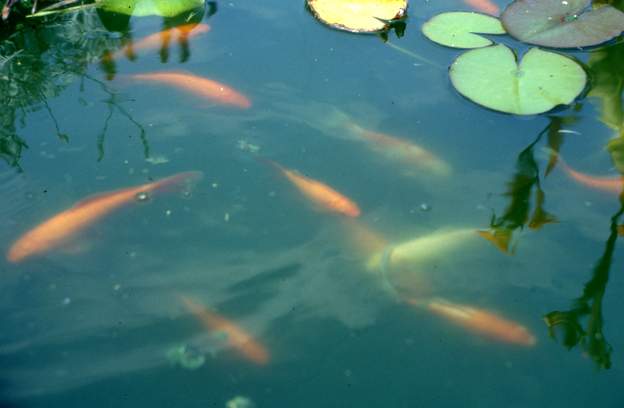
x=484, y=6
x=237, y=337
x=60, y=228
x=203, y=87
x=403, y=150
x=609, y=184
x=406, y=255
x=161, y=39
x=320, y=193
x=480, y=321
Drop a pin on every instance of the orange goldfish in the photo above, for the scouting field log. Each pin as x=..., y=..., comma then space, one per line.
x=238, y=338
x=60, y=228
x=320, y=193
x=203, y=87
x=484, y=6
x=480, y=321
x=610, y=184
x=162, y=39
x=401, y=149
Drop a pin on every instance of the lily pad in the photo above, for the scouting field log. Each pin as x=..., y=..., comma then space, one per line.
x=164, y=8
x=358, y=16
x=492, y=77
x=562, y=23
x=457, y=29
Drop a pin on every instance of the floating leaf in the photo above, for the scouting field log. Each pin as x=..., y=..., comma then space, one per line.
x=492, y=77
x=562, y=23
x=457, y=29
x=164, y=8
x=358, y=16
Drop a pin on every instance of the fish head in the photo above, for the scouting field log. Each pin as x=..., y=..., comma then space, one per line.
x=519, y=334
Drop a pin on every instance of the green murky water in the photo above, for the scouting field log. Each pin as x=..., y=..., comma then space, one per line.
x=479, y=272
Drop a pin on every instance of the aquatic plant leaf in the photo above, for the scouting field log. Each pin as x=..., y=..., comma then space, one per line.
x=458, y=29
x=358, y=16
x=562, y=24
x=492, y=78
x=164, y=8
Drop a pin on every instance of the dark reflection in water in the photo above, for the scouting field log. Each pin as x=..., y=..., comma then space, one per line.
x=39, y=62
x=520, y=189
x=588, y=307
x=179, y=28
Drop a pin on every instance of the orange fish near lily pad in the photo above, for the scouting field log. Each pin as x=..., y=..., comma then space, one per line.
x=59, y=229
x=237, y=337
x=613, y=184
x=320, y=193
x=484, y=6
x=205, y=88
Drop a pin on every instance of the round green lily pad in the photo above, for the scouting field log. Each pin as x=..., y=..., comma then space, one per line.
x=562, y=23
x=492, y=78
x=164, y=8
x=457, y=29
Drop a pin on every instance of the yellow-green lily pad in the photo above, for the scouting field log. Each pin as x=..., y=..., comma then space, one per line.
x=458, y=29
x=493, y=78
x=164, y=8
x=358, y=16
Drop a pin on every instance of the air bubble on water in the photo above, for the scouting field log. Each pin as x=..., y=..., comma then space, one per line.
x=66, y=301
x=142, y=196
x=240, y=402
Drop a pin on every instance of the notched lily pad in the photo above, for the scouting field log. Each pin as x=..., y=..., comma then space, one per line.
x=492, y=77
x=562, y=23
x=358, y=16
x=458, y=29
x=164, y=8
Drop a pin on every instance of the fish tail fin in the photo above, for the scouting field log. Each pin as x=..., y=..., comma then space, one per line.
x=178, y=182
x=270, y=163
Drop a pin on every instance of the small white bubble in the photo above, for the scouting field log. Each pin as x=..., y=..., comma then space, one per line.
x=66, y=301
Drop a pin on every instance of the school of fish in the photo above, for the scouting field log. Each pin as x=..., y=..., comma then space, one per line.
x=383, y=257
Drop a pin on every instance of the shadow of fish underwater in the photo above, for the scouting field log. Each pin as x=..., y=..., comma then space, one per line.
x=57, y=230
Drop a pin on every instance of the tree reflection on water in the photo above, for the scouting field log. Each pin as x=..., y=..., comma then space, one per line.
x=42, y=58
x=582, y=324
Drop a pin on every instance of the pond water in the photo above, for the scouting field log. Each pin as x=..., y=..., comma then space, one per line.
x=472, y=276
